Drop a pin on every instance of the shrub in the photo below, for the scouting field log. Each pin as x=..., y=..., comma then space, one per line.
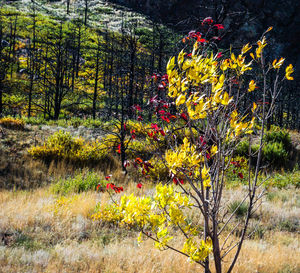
x=240, y=210
x=62, y=146
x=281, y=136
x=79, y=183
x=275, y=153
x=285, y=179
x=140, y=129
x=242, y=148
x=34, y=120
x=12, y=123
x=159, y=172
x=139, y=148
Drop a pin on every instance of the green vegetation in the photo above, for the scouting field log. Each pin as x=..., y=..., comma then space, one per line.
x=83, y=181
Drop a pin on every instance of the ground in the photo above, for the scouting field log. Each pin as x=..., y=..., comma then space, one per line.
x=39, y=234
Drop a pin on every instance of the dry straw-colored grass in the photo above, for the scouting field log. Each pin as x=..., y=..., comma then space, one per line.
x=38, y=239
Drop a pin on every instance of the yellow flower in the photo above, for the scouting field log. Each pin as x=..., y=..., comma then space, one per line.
x=288, y=71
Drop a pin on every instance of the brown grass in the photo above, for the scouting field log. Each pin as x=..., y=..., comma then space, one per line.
x=39, y=239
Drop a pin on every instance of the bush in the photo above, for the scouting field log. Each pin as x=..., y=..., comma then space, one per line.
x=283, y=180
x=140, y=129
x=275, y=154
x=240, y=210
x=12, y=123
x=159, y=172
x=34, y=120
x=242, y=148
x=277, y=136
x=62, y=146
x=81, y=182
x=139, y=148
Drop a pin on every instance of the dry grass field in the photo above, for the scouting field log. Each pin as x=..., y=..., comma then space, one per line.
x=45, y=232
x=39, y=236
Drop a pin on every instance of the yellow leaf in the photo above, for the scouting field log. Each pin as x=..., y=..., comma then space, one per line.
x=269, y=29
x=181, y=57
x=252, y=86
x=180, y=100
x=171, y=64
x=246, y=48
x=254, y=107
x=225, y=99
x=278, y=64
x=288, y=71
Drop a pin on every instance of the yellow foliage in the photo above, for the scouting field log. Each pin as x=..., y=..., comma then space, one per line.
x=12, y=123
x=62, y=145
x=288, y=71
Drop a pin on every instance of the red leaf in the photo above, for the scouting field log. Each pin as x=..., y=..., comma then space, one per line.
x=201, y=40
x=133, y=134
x=165, y=119
x=119, y=149
x=207, y=20
x=108, y=177
x=150, y=134
x=139, y=185
x=241, y=175
x=162, y=132
x=139, y=118
x=154, y=126
x=219, y=26
x=184, y=116
x=110, y=185
x=138, y=160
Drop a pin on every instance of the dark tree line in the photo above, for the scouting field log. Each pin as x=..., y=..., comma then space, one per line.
x=67, y=67
x=59, y=68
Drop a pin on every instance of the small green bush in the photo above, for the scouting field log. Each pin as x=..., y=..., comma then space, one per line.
x=285, y=179
x=34, y=120
x=279, y=136
x=242, y=148
x=275, y=154
x=79, y=183
x=240, y=210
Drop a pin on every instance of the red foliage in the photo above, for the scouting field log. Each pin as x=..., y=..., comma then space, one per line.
x=219, y=26
x=119, y=149
x=207, y=20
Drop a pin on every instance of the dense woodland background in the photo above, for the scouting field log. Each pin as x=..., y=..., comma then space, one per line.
x=98, y=59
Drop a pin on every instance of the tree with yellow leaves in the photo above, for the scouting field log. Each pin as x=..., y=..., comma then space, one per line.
x=208, y=92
